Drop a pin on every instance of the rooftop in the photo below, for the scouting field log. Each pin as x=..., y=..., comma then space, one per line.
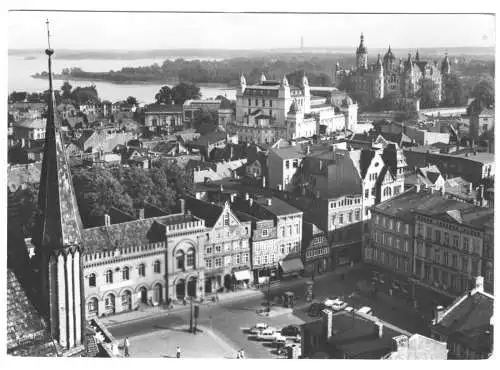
x=410, y=201
x=37, y=123
x=163, y=108
x=468, y=320
x=482, y=157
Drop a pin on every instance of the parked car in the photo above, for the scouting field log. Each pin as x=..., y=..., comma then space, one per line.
x=335, y=304
x=316, y=308
x=292, y=332
x=257, y=328
x=267, y=335
x=279, y=340
x=366, y=310
x=348, y=309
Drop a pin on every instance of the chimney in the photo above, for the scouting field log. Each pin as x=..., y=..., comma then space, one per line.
x=247, y=196
x=221, y=188
x=231, y=153
x=140, y=213
x=308, y=149
x=263, y=182
x=269, y=201
x=327, y=317
x=417, y=188
x=280, y=187
x=182, y=205
x=469, y=190
x=481, y=193
x=401, y=345
x=379, y=329
x=107, y=220
x=443, y=191
x=479, y=284
x=250, y=202
x=232, y=196
x=320, y=165
x=438, y=314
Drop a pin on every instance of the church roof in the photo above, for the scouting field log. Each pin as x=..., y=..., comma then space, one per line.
x=60, y=224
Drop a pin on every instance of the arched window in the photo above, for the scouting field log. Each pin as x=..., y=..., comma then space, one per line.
x=157, y=267
x=142, y=269
x=92, y=280
x=179, y=256
x=92, y=306
x=109, y=276
x=126, y=273
x=190, y=258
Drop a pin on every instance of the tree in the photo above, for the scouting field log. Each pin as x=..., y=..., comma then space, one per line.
x=164, y=96
x=96, y=192
x=205, y=118
x=453, y=92
x=184, y=91
x=23, y=210
x=485, y=92
x=429, y=97
x=362, y=98
x=66, y=90
x=18, y=96
x=179, y=179
x=131, y=100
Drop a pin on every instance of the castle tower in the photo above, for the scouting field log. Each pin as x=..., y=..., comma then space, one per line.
x=284, y=93
x=378, y=92
x=409, y=78
x=292, y=122
x=362, y=54
x=389, y=60
x=263, y=78
x=307, y=94
x=243, y=83
x=58, y=237
x=445, y=65
x=417, y=56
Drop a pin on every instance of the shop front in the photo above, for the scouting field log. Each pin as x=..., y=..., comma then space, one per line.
x=264, y=273
x=291, y=267
x=345, y=254
x=242, y=278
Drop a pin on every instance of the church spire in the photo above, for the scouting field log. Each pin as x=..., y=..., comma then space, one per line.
x=58, y=238
x=60, y=224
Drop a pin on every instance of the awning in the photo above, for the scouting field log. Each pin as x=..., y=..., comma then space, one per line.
x=242, y=275
x=292, y=265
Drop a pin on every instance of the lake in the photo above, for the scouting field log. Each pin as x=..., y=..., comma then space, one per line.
x=20, y=71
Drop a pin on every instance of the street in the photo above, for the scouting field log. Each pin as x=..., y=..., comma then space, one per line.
x=230, y=319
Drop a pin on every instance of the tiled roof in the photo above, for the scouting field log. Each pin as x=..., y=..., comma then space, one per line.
x=289, y=152
x=129, y=234
x=410, y=201
x=210, y=138
x=469, y=320
x=358, y=337
x=26, y=331
x=37, y=123
x=204, y=210
x=163, y=108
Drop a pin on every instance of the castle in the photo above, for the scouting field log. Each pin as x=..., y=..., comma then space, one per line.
x=400, y=81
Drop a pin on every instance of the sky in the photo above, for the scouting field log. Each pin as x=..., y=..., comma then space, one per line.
x=136, y=31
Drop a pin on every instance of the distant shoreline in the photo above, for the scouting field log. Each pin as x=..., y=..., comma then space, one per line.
x=167, y=82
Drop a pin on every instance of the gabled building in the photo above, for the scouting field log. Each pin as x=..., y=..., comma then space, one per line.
x=164, y=117
x=227, y=246
x=467, y=324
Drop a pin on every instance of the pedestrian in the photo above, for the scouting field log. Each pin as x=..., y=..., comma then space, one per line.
x=238, y=355
x=242, y=353
x=126, y=345
x=178, y=352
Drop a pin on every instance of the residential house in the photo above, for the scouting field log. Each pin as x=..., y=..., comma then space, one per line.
x=417, y=347
x=283, y=164
x=191, y=108
x=29, y=130
x=473, y=167
x=164, y=118
x=481, y=121
x=284, y=256
x=315, y=250
x=227, y=245
x=208, y=142
x=467, y=324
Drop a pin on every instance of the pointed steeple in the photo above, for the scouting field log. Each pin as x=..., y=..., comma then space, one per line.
x=284, y=82
x=417, y=56
x=263, y=78
x=60, y=224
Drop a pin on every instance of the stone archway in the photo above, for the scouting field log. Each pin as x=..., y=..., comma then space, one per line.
x=110, y=304
x=126, y=300
x=180, y=289
x=157, y=293
x=191, y=286
x=144, y=294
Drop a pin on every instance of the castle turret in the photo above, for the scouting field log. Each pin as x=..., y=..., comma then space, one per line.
x=284, y=91
x=58, y=237
x=446, y=65
x=417, y=56
x=378, y=87
x=307, y=94
x=243, y=83
x=262, y=78
x=389, y=60
x=362, y=54
x=292, y=121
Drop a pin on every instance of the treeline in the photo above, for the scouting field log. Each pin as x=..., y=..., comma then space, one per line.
x=98, y=189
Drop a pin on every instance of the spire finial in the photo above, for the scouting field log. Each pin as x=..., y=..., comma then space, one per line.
x=48, y=32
